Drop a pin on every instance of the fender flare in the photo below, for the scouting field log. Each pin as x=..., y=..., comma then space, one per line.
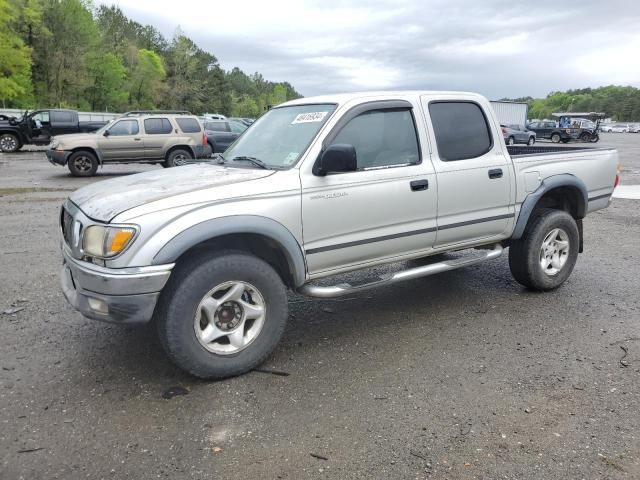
x=238, y=224
x=555, y=181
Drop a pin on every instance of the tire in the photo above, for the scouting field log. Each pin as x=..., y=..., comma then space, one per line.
x=585, y=137
x=511, y=141
x=525, y=254
x=178, y=157
x=182, y=312
x=531, y=141
x=9, y=143
x=82, y=164
x=594, y=138
x=555, y=138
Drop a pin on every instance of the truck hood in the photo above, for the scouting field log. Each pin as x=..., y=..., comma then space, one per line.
x=104, y=200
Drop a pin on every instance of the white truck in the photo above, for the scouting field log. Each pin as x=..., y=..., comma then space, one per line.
x=314, y=188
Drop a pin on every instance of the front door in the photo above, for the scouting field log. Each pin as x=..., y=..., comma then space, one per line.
x=40, y=127
x=122, y=141
x=474, y=174
x=385, y=209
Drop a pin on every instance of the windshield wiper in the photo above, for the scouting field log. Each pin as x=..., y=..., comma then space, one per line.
x=256, y=161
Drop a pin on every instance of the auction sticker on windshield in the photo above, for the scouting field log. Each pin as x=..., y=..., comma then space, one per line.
x=309, y=117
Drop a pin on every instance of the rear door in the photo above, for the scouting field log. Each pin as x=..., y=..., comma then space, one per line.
x=159, y=132
x=122, y=142
x=474, y=172
x=63, y=121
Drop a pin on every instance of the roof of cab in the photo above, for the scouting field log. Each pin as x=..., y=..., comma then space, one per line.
x=341, y=98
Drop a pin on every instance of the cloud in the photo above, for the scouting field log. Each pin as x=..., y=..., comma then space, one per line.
x=497, y=47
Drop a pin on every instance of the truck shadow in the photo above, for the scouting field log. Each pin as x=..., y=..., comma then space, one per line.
x=126, y=352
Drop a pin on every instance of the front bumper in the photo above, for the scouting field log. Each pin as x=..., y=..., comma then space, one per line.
x=119, y=295
x=57, y=157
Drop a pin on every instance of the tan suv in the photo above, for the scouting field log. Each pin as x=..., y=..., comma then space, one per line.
x=171, y=138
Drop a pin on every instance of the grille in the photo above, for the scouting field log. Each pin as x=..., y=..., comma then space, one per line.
x=67, y=227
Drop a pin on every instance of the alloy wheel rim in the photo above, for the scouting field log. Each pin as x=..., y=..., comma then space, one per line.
x=180, y=160
x=229, y=317
x=554, y=252
x=82, y=163
x=8, y=143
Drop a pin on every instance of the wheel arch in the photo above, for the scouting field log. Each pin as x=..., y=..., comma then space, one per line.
x=188, y=148
x=261, y=236
x=563, y=192
x=86, y=149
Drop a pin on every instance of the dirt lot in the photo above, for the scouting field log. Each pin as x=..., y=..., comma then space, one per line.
x=462, y=375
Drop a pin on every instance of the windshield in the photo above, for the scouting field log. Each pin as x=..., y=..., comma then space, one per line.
x=280, y=136
x=101, y=130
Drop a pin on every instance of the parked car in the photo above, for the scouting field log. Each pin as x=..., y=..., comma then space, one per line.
x=634, y=128
x=37, y=127
x=315, y=188
x=222, y=133
x=214, y=116
x=517, y=134
x=170, y=138
x=246, y=121
x=619, y=128
x=549, y=130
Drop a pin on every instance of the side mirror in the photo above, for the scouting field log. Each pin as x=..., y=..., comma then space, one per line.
x=106, y=133
x=336, y=158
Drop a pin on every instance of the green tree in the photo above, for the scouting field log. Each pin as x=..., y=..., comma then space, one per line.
x=15, y=59
x=107, y=88
x=146, y=82
x=60, y=62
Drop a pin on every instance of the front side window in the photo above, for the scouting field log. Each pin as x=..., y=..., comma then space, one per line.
x=382, y=138
x=461, y=130
x=157, y=126
x=124, y=127
x=282, y=135
x=42, y=117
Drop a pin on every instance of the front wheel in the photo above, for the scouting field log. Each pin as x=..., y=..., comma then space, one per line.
x=9, y=143
x=82, y=164
x=511, y=141
x=594, y=138
x=531, y=141
x=555, y=138
x=223, y=315
x=545, y=256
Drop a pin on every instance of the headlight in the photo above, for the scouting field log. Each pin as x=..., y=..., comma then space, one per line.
x=54, y=144
x=106, y=242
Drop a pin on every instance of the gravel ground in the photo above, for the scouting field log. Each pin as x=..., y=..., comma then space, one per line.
x=462, y=375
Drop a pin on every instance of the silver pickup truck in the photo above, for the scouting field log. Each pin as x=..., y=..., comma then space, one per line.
x=314, y=188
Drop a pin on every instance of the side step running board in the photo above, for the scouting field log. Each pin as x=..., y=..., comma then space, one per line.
x=432, y=269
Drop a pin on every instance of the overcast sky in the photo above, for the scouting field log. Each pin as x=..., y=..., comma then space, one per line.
x=495, y=47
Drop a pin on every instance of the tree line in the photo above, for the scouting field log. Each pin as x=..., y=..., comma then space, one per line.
x=622, y=104
x=63, y=53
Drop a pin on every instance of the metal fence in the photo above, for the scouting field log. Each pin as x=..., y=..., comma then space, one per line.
x=83, y=116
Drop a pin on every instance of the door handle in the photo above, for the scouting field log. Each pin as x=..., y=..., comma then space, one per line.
x=137, y=139
x=418, y=185
x=495, y=173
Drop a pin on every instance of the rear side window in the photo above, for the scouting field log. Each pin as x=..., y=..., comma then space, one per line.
x=461, y=130
x=216, y=126
x=62, y=117
x=382, y=138
x=156, y=126
x=124, y=127
x=188, y=125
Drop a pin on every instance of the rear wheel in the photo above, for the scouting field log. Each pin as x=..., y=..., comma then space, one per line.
x=585, y=137
x=9, y=143
x=178, y=157
x=531, y=141
x=555, y=138
x=222, y=316
x=82, y=164
x=545, y=256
